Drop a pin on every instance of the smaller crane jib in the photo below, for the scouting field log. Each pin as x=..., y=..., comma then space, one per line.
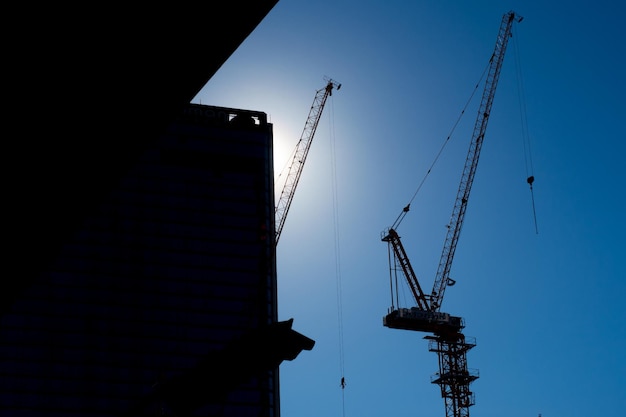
x=300, y=154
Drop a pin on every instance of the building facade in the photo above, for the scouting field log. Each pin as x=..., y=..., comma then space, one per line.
x=176, y=263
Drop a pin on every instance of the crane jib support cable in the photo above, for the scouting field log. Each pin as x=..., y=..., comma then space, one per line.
x=300, y=154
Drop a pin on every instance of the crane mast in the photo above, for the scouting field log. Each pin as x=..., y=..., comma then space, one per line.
x=447, y=340
x=300, y=154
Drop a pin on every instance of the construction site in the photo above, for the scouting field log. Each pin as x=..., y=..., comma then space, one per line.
x=293, y=210
x=444, y=332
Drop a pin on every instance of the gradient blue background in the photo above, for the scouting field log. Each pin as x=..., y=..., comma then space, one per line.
x=547, y=309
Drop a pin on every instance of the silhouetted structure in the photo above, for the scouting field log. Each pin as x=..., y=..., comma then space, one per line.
x=219, y=373
x=172, y=273
x=87, y=89
x=140, y=227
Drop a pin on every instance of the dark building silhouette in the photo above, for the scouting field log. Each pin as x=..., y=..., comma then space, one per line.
x=87, y=88
x=141, y=270
x=163, y=302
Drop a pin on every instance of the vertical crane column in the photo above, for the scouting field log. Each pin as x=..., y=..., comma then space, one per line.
x=454, y=377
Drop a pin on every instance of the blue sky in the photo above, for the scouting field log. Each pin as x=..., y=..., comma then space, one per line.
x=547, y=309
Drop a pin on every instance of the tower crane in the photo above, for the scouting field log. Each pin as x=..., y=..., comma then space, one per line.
x=299, y=157
x=446, y=337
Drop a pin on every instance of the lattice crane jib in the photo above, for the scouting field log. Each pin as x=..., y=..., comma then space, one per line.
x=299, y=156
x=442, y=277
x=446, y=339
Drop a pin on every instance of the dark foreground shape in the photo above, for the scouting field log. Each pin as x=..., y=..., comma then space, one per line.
x=254, y=353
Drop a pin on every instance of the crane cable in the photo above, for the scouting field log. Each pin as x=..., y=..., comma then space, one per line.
x=406, y=208
x=333, y=159
x=530, y=178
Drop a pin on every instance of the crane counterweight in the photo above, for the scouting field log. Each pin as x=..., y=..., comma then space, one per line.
x=423, y=321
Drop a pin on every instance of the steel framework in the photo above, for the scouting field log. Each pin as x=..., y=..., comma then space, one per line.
x=447, y=339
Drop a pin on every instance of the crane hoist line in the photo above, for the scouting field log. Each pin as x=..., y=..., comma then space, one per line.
x=447, y=339
x=299, y=156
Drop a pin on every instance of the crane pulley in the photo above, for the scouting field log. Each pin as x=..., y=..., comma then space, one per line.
x=300, y=154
